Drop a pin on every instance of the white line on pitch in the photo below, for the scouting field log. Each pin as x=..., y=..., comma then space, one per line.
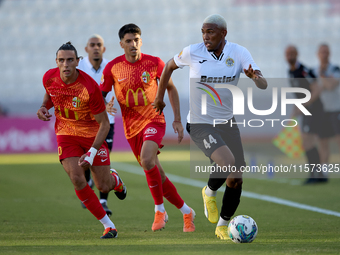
x=196, y=183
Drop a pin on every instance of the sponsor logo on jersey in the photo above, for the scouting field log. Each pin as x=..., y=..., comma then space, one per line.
x=202, y=61
x=150, y=131
x=230, y=62
x=220, y=79
x=75, y=102
x=209, y=93
x=135, y=97
x=145, y=77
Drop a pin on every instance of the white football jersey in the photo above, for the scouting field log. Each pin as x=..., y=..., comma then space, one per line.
x=207, y=71
x=86, y=66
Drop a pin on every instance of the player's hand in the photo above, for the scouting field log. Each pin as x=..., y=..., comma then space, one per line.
x=159, y=105
x=86, y=160
x=109, y=107
x=250, y=73
x=43, y=114
x=178, y=128
x=83, y=163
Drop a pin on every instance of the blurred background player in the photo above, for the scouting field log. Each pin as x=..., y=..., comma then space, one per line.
x=81, y=127
x=328, y=79
x=93, y=64
x=313, y=126
x=134, y=78
x=215, y=57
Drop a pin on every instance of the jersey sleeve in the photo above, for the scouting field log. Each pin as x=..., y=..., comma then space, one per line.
x=160, y=68
x=106, y=81
x=183, y=58
x=96, y=101
x=247, y=59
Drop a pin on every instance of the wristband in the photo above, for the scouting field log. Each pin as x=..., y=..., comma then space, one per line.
x=42, y=106
x=177, y=121
x=90, y=155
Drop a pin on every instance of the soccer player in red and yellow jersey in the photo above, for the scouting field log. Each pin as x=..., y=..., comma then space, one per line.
x=134, y=78
x=81, y=127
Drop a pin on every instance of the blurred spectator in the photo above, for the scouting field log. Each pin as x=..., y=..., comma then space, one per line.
x=312, y=126
x=328, y=80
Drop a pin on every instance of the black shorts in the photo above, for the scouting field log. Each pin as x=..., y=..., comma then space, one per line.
x=109, y=137
x=318, y=123
x=209, y=138
x=335, y=121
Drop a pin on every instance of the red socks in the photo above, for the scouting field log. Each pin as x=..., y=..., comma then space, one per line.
x=154, y=180
x=90, y=200
x=171, y=194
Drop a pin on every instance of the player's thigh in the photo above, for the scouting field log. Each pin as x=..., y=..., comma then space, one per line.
x=74, y=171
x=206, y=138
x=148, y=153
x=223, y=156
x=232, y=138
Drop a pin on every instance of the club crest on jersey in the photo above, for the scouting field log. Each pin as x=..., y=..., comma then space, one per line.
x=102, y=79
x=75, y=102
x=150, y=131
x=146, y=77
x=230, y=62
x=102, y=153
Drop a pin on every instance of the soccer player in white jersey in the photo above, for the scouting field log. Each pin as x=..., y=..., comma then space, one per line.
x=214, y=61
x=93, y=65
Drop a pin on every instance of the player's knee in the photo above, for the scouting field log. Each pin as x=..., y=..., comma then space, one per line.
x=147, y=162
x=229, y=161
x=235, y=183
x=78, y=181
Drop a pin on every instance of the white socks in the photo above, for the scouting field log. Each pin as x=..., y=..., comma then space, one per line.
x=160, y=208
x=107, y=222
x=185, y=209
x=222, y=222
x=210, y=193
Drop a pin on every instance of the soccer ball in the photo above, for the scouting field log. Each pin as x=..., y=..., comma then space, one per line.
x=242, y=229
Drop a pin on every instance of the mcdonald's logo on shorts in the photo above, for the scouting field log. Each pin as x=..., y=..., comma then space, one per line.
x=138, y=97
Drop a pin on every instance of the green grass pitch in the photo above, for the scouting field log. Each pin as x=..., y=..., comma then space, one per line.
x=40, y=214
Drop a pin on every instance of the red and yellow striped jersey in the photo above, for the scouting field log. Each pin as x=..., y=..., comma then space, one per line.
x=74, y=104
x=135, y=86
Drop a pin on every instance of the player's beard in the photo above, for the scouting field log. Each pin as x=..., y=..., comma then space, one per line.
x=96, y=59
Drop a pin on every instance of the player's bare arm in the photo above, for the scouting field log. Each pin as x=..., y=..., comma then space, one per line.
x=174, y=101
x=256, y=76
x=43, y=113
x=169, y=67
x=104, y=127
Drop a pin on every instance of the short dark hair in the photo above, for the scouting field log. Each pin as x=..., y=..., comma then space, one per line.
x=129, y=28
x=67, y=46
